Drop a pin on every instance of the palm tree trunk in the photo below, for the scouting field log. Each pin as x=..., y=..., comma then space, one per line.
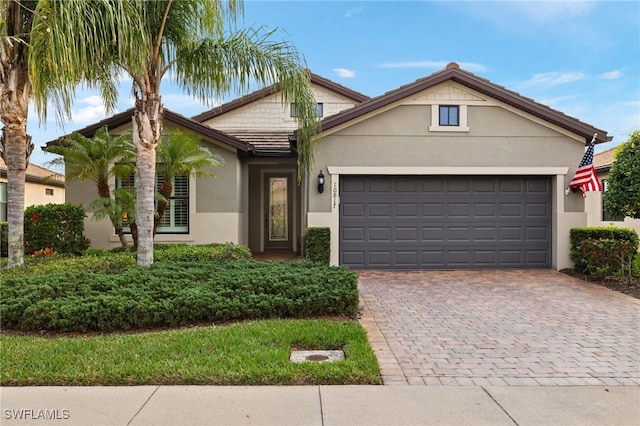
x=15, y=90
x=147, y=128
x=17, y=148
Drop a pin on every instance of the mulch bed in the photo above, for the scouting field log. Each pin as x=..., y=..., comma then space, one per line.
x=630, y=286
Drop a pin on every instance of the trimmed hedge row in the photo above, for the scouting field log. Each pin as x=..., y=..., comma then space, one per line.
x=174, y=294
x=603, y=251
x=215, y=252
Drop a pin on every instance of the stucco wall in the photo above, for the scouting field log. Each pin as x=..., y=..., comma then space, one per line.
x=215, y=205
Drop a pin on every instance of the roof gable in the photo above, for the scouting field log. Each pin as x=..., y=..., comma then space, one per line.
x=453, y=73
x=273, y=89
x=124, y=118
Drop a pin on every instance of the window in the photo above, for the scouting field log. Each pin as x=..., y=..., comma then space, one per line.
x=606, y=217
x=449, y=118
x=449, y=115
x=319, y=110
x=48, y=191
x=3, y=201
x=176, y=217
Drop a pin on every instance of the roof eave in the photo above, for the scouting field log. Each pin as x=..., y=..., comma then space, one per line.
x=478, y=84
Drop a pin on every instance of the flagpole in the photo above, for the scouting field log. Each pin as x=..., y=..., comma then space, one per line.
x=568, y=190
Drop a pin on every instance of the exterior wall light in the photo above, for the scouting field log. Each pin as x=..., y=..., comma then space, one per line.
x=320, y=182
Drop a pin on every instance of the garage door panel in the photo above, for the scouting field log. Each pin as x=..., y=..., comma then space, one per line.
x=537, y=210
x=459, y=209
x=353, y=234
x=380, y=210
x=407, y=210
x=380, y=258
x=406, y=234
x=353, y=210
x=382, y=234
x=445, y=222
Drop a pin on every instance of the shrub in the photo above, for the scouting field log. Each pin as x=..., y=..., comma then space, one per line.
x=173, y=294
x=319, y=245
x=215, y=252
x=603, y=251
x=4, y=239
x=203, y=253
x=56, y=226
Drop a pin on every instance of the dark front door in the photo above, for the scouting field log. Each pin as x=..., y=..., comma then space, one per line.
x=278, y=211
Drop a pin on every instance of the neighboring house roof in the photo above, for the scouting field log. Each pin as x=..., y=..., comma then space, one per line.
x=602, y=161
x=37, y=174
x=123, y=118
x=454, y=73
x=274, y=88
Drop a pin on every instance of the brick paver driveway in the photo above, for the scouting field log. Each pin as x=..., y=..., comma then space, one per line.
x=499, y=328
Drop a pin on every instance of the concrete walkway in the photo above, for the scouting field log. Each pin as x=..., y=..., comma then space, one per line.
x=321, y=405
x=500, y=328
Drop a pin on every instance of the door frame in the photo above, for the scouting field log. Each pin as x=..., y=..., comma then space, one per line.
x=289, y=243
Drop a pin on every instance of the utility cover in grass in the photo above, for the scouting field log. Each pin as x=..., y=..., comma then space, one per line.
x=316, y=356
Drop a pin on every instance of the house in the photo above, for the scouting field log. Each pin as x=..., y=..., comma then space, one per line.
x=254, y=137
x=596, y=214
x=450, y=171
x=42, y=186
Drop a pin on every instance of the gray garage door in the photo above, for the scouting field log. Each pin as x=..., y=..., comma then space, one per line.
x=445, y=222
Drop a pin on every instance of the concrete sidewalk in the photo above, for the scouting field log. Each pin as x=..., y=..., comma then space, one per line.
x=321, y=405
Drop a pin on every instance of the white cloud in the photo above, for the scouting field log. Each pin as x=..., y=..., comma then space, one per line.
x=550, y=79
x=468, y=66
x=353, y=12
x=611, y=75
x=547, y=11
x=344, y=73
x=555, y=101
x=91, y=109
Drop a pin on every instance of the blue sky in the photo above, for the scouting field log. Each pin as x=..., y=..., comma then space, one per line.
x=579, y=57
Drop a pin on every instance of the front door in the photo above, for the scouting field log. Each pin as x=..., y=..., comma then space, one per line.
x=278, y=224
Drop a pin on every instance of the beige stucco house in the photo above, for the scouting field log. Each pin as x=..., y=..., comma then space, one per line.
x=42, y=186
x=596, y=214
x=450, y=171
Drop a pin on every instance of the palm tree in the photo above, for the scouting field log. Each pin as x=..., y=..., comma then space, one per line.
x=189, y=41
x=46, y=49
x=180, y=154
x=98, y=159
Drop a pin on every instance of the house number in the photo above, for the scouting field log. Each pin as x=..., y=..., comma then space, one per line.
x=335, y=194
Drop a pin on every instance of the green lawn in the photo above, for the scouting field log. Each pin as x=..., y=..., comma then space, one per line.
x=246, y=353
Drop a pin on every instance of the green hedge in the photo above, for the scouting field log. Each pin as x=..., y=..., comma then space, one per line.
x=215, y=252
x=174, y=294
x=319, y=245
x=59, y=226
x=603, y=251
x=4, y=239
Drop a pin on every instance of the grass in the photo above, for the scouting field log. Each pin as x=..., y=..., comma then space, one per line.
x=246, y=353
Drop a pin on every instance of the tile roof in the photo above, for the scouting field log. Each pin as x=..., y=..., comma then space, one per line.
x=267, y=91
x=603, y=160
x=37, y=174
x=124, y=117
x=454, y=73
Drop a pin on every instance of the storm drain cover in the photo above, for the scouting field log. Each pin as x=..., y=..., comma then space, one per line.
x=316, y=356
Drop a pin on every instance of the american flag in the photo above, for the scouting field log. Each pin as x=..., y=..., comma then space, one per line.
x=585, y=178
